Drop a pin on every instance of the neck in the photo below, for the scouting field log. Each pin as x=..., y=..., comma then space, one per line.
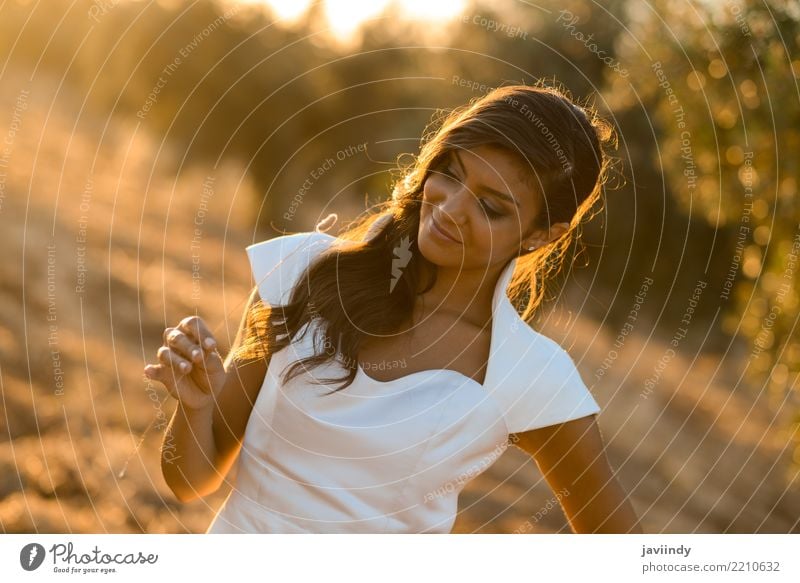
x=467, y=293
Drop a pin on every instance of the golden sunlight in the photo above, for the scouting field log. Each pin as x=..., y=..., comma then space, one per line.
x=346, y=16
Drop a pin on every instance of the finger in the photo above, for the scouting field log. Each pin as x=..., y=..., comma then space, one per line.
x=195, y=328
x=165, y=335
x=211, y=361
x=168, y=357
x=181, y=344
x=160, y=373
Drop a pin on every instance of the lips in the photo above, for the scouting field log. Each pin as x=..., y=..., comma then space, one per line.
x=442, y=232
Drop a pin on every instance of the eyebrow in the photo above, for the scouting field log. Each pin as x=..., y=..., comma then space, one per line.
x=503, y=195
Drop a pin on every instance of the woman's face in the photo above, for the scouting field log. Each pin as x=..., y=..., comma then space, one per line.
x=480, y=198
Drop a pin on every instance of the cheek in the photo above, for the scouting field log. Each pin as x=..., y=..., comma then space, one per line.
x=491, y=240
x=425, y=207
x=431, y=189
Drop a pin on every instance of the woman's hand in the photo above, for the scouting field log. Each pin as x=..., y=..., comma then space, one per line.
x=189, y=364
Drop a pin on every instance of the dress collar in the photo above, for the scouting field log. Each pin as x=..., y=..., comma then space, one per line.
x=510, y=335
x=503, y=280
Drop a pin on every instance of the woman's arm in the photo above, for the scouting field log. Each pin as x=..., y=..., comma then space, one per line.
x=572, y=458
x=201, y=445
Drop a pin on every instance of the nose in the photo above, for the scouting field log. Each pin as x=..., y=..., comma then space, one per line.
x=453, y=205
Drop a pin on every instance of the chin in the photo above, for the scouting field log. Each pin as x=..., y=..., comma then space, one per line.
x=436, y=251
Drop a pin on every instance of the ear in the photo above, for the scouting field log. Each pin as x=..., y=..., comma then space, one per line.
x=543, y=237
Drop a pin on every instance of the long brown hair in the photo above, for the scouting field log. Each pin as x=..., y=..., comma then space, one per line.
x=563, y=143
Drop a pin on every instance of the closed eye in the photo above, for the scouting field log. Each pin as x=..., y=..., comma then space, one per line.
x=490, y=212
x=449, y=173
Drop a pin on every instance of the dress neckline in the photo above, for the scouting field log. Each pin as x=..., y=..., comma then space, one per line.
x=499, y=297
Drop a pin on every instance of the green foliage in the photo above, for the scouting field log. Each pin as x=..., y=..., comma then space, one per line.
x=724, y=77
x=728, y=113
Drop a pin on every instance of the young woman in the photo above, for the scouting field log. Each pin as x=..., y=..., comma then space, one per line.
x=407, y=313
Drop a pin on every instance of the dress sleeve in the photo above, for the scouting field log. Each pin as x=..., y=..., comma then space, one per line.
x=277, y=263
x=555, y=394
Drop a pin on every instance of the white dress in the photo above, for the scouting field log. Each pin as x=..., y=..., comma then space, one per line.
x=385, y=457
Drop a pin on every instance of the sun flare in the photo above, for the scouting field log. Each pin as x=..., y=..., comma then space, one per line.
x=346, y=16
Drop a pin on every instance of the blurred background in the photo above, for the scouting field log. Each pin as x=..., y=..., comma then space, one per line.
x=146, y=143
